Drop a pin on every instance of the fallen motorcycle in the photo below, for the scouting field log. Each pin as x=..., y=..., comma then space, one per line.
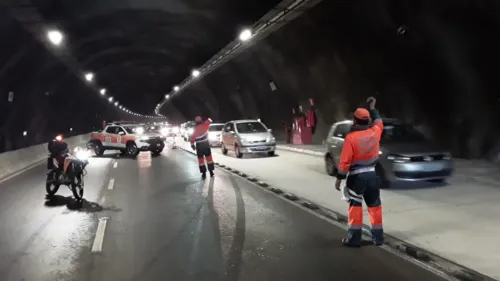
x=70, y=174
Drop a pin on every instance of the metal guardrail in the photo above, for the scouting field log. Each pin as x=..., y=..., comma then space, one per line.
x=283, y=13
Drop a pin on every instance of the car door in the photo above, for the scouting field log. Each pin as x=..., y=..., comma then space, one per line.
x=109, y=136
x=120, y=133
x=225, y=134
x=337, y=140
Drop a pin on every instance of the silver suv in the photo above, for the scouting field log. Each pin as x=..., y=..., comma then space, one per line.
x=405, y=154
x=247, y=137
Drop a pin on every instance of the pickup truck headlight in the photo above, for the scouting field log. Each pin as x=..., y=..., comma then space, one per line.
x=144, y=138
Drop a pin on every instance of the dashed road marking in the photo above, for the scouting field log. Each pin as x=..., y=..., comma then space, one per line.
x=111, y=183
x=99, y=236
x=115, y=165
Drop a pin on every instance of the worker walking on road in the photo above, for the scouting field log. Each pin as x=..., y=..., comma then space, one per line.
x=357, y=163
x=200, y=137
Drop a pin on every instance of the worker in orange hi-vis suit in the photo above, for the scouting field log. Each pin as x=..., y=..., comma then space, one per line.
x=200, y=137
x=357, y=164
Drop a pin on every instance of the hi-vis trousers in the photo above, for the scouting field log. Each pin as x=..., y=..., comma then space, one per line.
x=203, y=151
x=364, y=186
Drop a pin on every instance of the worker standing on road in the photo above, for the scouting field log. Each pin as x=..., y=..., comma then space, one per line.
x=357, y=163
x=200, y=137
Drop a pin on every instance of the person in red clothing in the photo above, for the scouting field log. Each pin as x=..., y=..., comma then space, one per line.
x=357, y=164
x=202, y=148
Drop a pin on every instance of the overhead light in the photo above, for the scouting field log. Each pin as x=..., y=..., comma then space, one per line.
x=195, y=73
x=55, y=36
x=102, y=91
x=89, y=76
x=116, y=103
x=25, y=133
x=110, y=99
x=245, y=35
x=176, y=88
x=167, y=96
x=120, y=107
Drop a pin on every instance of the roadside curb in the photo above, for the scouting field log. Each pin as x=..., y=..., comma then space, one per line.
x=429, y=259
x=300, y=150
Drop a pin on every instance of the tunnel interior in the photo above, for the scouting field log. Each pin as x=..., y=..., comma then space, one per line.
x=430, y=63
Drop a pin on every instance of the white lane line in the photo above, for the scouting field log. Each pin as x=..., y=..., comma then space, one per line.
x=99, y=236
x=103, y=201
x=115, y=165
x=111, y=183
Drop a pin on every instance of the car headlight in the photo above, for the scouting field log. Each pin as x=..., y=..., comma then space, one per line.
x=139, y=130
x=164, y=131
x=398, y=158
x=144, y=138
x=82, y=154
x=271, y=139
x=447, y=156
x=175, y=130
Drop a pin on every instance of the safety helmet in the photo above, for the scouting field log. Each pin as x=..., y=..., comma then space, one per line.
x=362, y=114
x=197, y=119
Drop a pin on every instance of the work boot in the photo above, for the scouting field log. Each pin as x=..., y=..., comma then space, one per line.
x=211, y=174
x=204, y=175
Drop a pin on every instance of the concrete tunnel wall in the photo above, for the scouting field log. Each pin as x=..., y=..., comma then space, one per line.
x=440, y=74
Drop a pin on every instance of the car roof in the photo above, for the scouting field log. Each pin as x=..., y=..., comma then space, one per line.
x=217, y=124
x=245, y=121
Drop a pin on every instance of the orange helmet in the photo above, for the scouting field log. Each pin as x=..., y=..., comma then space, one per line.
x=362, y=114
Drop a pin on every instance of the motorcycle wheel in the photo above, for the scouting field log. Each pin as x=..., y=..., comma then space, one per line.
x=77, y=187
x=51, y=184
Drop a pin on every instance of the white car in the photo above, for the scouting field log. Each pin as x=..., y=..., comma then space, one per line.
x=214, y=133
x=247, y=137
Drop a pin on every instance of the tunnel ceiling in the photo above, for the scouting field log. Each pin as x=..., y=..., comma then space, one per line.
x=139, y=49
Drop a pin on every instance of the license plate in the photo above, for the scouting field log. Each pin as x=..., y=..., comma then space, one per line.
x=261, y=147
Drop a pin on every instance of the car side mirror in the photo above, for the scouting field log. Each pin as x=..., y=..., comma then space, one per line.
x=270, y=130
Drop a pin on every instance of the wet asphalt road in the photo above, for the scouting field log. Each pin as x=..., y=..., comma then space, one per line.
x=165, y=223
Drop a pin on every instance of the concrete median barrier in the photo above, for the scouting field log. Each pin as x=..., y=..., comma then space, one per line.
x=13, y=162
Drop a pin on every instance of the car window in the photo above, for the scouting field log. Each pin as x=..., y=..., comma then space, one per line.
x=111, y=130
x=342, y=130
x=119, y=129
x=401, y=133
x=130, y=129
x=250, y=127
x=228, y=127
x=215, y=128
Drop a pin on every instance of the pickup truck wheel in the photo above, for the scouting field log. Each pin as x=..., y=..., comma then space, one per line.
x=98, y=149
x=132, y=149
x=223, y=148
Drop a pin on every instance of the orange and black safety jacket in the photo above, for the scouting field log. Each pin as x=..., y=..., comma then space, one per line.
x=361, y=148
x=200, y=133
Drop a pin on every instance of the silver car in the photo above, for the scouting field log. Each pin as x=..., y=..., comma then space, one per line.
x=247, y=137
x=405, y=154
x=214, y=133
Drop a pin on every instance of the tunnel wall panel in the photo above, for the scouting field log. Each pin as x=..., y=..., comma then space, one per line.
x=440, y=74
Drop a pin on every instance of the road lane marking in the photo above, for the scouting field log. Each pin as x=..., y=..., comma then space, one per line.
x=111, y=183
x=115, y=165
x=99, y=236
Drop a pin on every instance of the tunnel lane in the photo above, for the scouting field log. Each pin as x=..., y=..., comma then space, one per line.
x=164, y=223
